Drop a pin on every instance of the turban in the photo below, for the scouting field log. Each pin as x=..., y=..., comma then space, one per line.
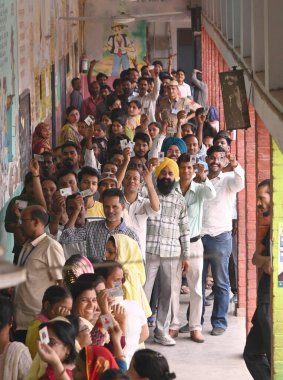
x=169, y=141
x=171, y=164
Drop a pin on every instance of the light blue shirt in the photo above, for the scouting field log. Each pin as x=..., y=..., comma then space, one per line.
x=194, y=198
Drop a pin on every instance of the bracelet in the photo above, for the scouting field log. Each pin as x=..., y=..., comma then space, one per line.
x=36, y=175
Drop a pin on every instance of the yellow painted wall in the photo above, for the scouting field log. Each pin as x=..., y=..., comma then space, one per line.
x=277, y=312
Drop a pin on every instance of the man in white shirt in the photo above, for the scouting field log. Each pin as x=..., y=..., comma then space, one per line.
x=43, y=259
x=195, y=193
x=148, y=100
x=216, y=231
x=138, y=207
x=184, y=88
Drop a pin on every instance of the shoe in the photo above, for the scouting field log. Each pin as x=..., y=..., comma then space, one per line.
x=210, y=297
x=173, y=333
x=185, y=329
x=165, y=340
x=197, y=336
x=207, y=303
x=216, y=331
x=234, y=299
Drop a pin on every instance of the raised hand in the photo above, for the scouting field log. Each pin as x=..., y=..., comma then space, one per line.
x=34, y=167
x=147, y=173
x=200, y=173
x=232, y=159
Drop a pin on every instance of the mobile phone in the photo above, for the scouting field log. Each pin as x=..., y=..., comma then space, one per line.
x=193, y=159
x=160, y=156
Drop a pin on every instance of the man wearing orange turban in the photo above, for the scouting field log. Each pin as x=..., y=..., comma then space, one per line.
x=167, y=248
x=170, y=164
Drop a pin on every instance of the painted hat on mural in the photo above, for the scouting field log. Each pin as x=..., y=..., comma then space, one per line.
x=116, y=23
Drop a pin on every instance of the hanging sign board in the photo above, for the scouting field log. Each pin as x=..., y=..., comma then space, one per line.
x=236, y=110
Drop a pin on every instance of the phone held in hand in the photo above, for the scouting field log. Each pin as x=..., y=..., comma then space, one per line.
x=160, y=156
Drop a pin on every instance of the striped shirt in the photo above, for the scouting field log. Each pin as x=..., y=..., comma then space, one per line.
x=95, y=234
x=168, y=234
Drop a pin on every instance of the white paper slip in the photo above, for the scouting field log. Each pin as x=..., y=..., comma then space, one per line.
x=66, y=192
x=43, y=335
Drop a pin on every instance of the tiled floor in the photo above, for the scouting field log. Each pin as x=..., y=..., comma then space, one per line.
x=218, y=358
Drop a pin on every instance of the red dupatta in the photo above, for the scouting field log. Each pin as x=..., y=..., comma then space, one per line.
x=98, y=360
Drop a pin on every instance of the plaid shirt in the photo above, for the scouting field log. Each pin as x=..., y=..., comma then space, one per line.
x=168, y=234
x=95, y=234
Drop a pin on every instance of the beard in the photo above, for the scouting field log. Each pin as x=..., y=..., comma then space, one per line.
x=68, y=164
x=165, y=186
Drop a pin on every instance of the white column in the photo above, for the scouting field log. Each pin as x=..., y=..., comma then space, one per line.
x=273, y=44
x=245, y=28
x=257, y=36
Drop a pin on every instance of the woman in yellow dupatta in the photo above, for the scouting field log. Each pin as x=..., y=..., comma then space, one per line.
x=126, y=251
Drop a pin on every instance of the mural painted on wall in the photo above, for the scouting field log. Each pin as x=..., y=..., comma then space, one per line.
x=25, y=131
x=9, y=172
x=124, y=45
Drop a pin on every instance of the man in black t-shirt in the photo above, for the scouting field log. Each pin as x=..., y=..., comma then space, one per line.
x=257, y=353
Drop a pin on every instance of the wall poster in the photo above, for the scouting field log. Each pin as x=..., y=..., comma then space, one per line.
x=123, y=44
x=8, y=99
x=25, y=132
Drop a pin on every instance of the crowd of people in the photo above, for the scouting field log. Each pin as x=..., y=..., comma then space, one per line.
x=135, y=205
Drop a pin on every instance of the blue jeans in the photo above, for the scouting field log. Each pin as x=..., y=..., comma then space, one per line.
x=118, y=61
x=217, y=250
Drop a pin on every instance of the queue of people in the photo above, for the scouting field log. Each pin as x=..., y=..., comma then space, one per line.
x=108, y=223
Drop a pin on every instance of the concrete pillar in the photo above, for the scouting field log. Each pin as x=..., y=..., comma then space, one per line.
x=250, y=205
x=245, y=28
x=236, y=23
x=257, y=36
x=273, y=44
x=229, y=24
x=277, y=225
x=223, y=11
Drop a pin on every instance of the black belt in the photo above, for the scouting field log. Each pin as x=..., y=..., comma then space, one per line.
x=194, y=239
